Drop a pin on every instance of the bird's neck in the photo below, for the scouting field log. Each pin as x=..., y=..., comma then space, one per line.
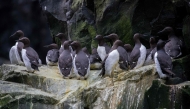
x=63, y=40
x=171, y=35
x=101, y=42
x=152, y=46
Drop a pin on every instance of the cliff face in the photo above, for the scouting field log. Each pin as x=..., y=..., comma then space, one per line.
x=135, y=89
x=46, y=89
x=83, y=19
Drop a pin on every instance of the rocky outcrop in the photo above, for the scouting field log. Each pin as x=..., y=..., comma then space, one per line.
x=47, y=89
x=134, y=89
x=167, y=96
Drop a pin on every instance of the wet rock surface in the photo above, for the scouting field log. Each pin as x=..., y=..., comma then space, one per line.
x=167, y=96
x=46, y=89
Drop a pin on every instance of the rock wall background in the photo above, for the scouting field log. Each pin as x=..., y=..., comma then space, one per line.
x=83, y=19
x=28, y=17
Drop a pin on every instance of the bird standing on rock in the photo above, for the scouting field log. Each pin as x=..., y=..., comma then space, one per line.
x=52, y=55
x=123, y=57
x=138, y=54
x=95, y=61
x=111, y=60
x=15, y=55
x=149, y=59
x=163, y=61
x=81, y=61
x=128, y=48
x=63, y=38
x=103, y=49
x=173, y=47
x=65, y=63
x=29, y=56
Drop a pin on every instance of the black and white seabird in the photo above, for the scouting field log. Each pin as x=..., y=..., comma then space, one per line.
x=86, y=51
x=65, y=63
x=123, y=59
x=81, y=61
x=138, y=54
x=29, y=56
x=62, y=37
x=15, y=55
x=173, y=47
x=95, y=60
x=103, y=48
x=128, y=48
x=149, y=52
x=111, y=60
x=163, y=61
x=52, y=54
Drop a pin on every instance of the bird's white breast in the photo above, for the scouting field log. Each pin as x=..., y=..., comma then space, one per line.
x=26, y=60
x=158, y=68
x=142, y=57
x=111, y=62
x=101, y=52
x=12, y=55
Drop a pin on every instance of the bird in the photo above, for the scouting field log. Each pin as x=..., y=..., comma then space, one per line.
x=111, y=61
x=103, y=48
x=95, y=60
x=81, y=61
x=86, y=51
x=149, y=52
x=15, y=55
x=52, y=54
x=123, y=56
x=29, y=56
x=128, y=48
x=173, y=47
x=163, y=61
x=62, y=37
x=138, y=54
x=65, y=61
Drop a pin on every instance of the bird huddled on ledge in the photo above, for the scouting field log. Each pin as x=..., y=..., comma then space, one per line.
x=74, y=61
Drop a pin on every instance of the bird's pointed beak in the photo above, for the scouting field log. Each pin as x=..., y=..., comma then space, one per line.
x=70, y=41
x=105, y=37
x=160, y=32
x=46, y=46
x=167, y=41
x=144, y=35
x=13, y=35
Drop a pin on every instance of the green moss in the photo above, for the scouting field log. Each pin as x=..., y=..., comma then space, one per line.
x=56, y=26
x=120, y=25
x=5, y=100
x=76, y=4
x=100, y=7
x=84, y=33
x=158, y=96
x=92, y=33
x=123, y=27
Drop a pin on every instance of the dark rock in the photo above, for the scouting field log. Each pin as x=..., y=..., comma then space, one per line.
x=161, y=96
x=15, y=95
x=186, y=33
x=28, y=17
x=181, y=68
